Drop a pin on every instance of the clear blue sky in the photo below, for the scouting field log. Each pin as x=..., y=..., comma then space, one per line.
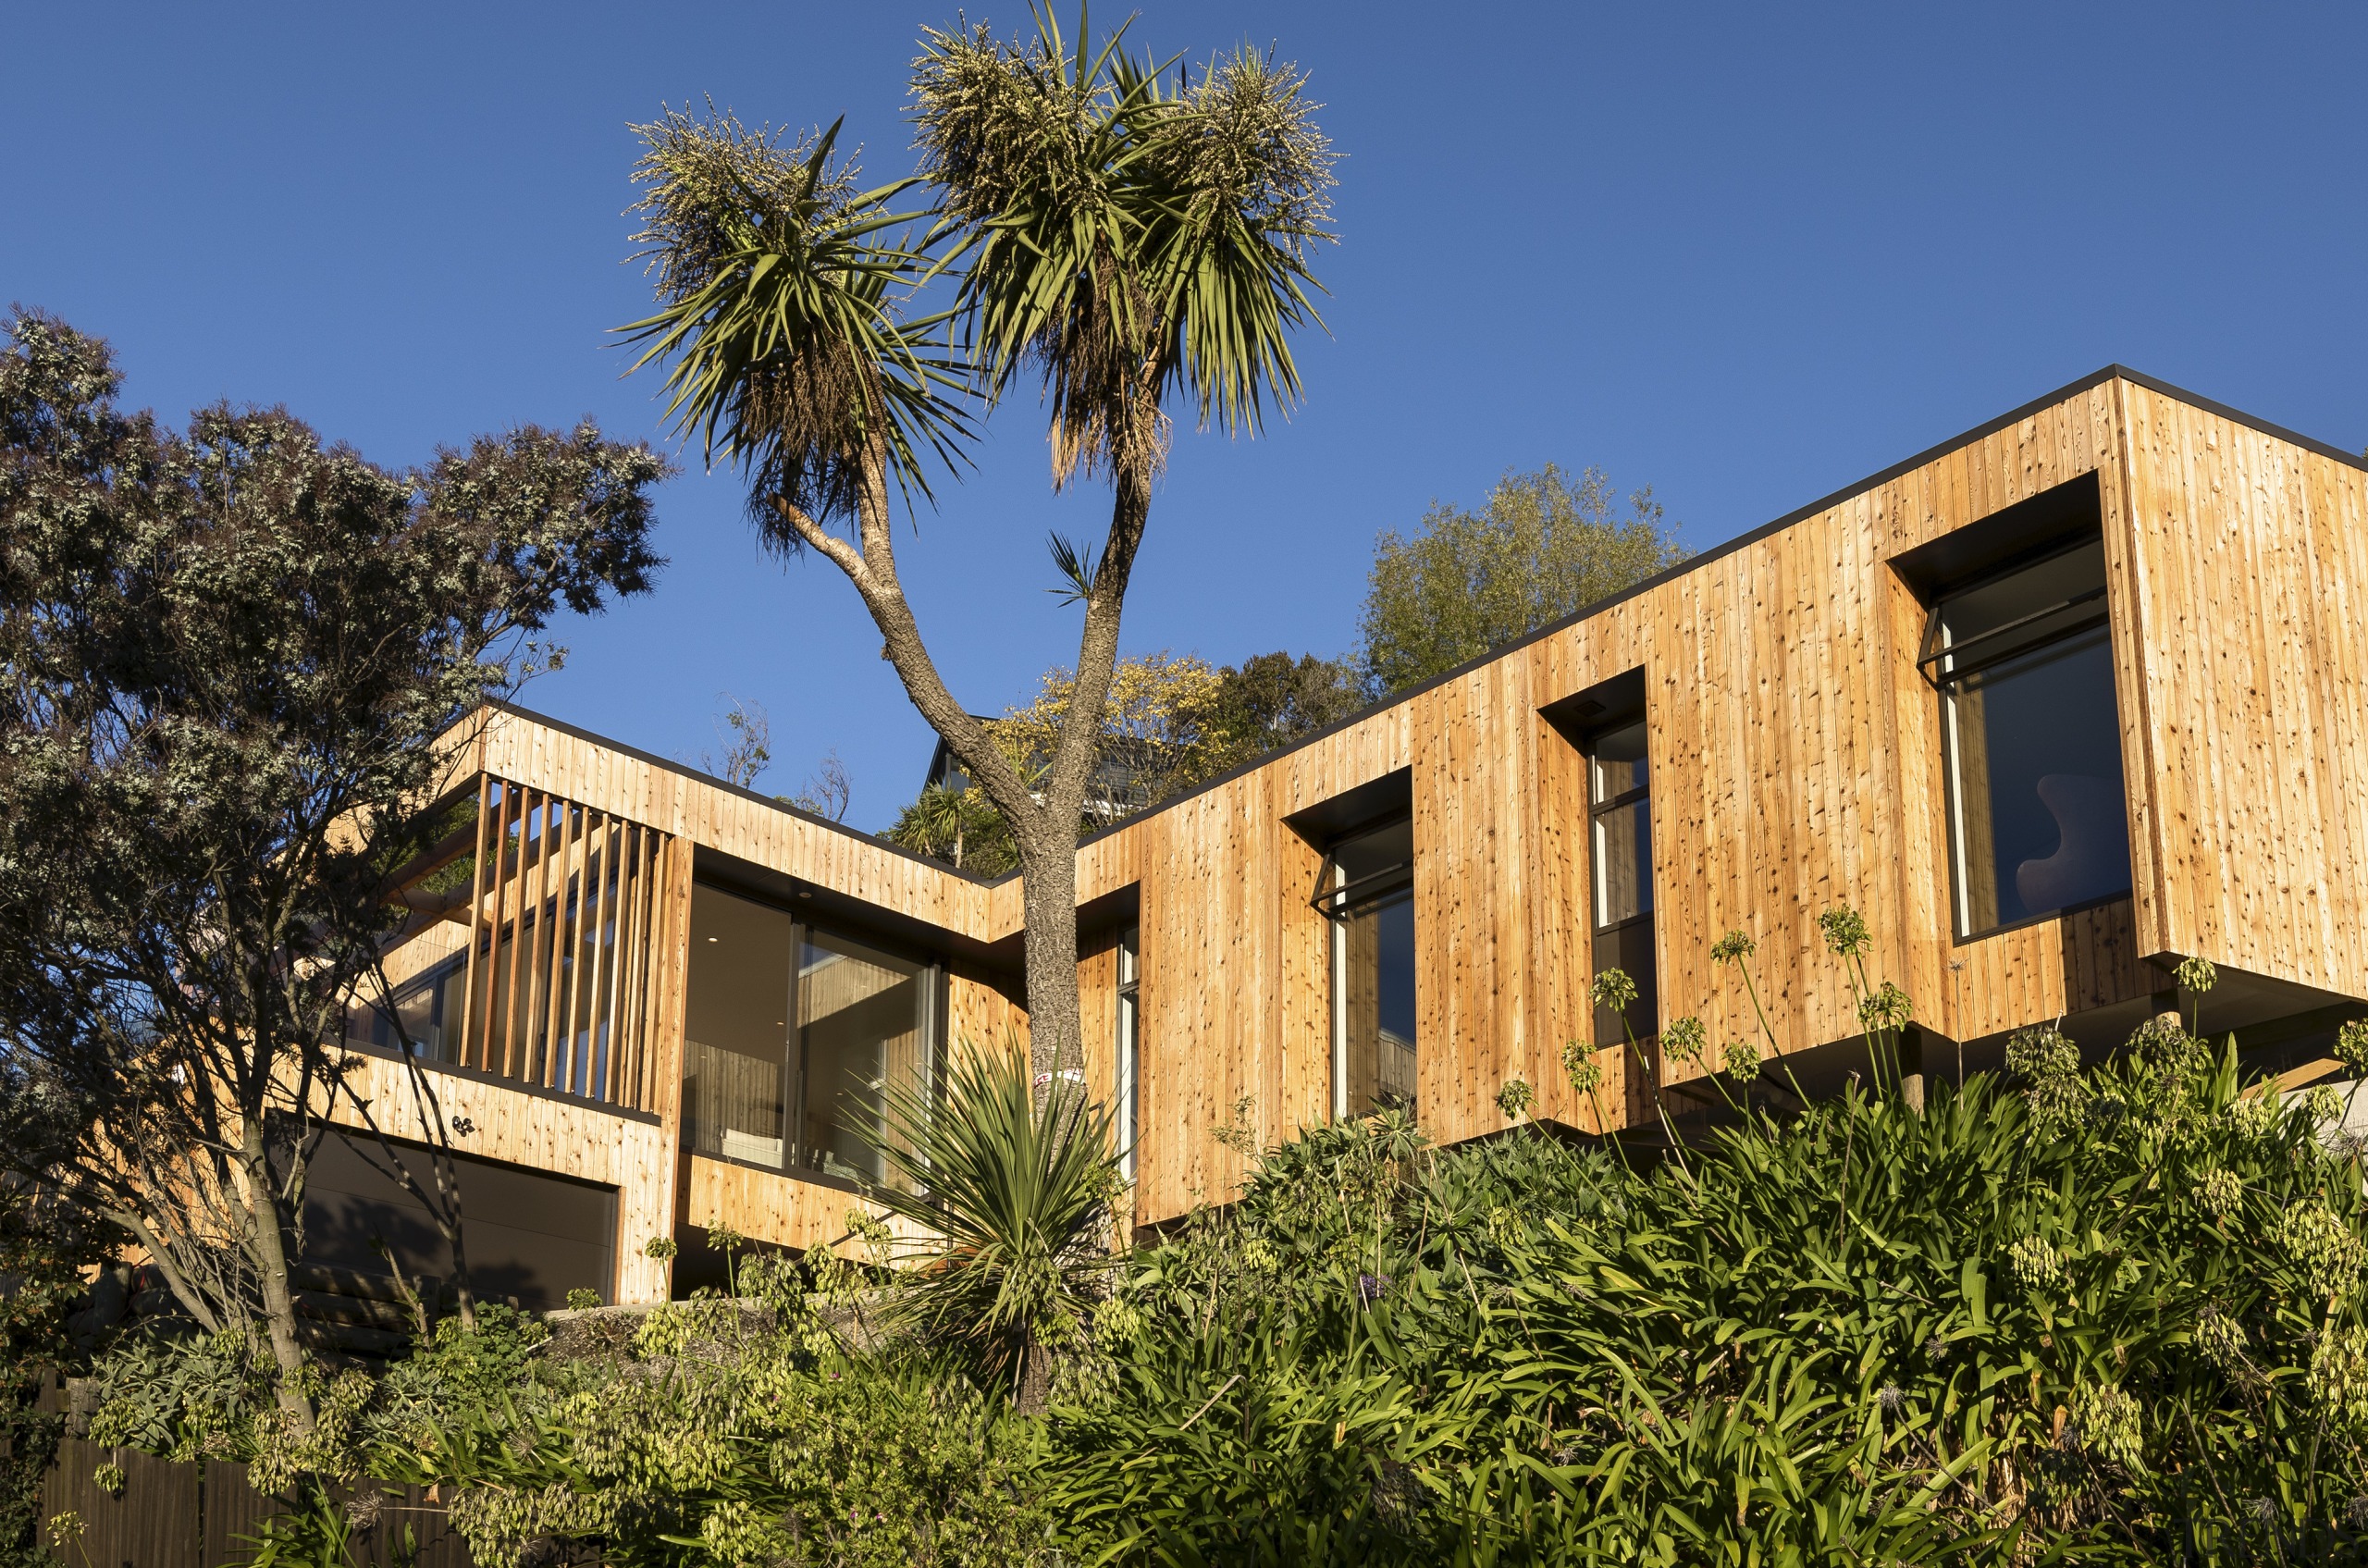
x=1745, y=255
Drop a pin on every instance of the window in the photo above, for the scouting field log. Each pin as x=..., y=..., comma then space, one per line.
x=1369, y=893
x=1619, y=851
x=1130, y=1083
x=795, y=1035
x=2037, y=821
x=429, y=1008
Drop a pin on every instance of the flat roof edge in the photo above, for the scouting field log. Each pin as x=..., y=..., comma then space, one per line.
x=1717, y=552
x=710, y=781
x=1752, y=536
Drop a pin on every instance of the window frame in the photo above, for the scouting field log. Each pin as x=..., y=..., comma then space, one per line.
x=2081, y=616
x=431, y=981
x=1129, y=1073
x=1338, y=898
x=930, y=1007
x=1598, y=898
x=2040, y=631
x=1648, y=984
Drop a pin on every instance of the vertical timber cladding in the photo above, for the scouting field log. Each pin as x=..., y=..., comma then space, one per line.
x=565, y=987
x=2250, y=570
x=1796, y=768
x=1235, y=998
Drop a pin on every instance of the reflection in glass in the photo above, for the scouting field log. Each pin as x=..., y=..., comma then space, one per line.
x=861, y=1019
x=2038, y=818
x=429, y=1010
x=1620, y=845
x=1616, y=765
x=735, y=1059
x=807, y=1095
x=1624, y=862
x=1371, y=903
x=1379, y=938
x=1130, y=1084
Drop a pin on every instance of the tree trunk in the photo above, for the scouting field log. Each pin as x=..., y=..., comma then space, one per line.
x=1048, y=894
x=267, y=1243
x=1045, y=828
x=1035, y=1391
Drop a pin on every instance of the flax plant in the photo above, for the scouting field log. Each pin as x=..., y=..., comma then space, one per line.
x=1615, y=990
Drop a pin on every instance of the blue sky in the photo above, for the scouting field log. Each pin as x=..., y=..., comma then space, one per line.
x=1743, y=254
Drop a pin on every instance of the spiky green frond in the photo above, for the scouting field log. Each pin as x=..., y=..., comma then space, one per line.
x=1125, y=228
x=781, y=294
x=1018, y=1198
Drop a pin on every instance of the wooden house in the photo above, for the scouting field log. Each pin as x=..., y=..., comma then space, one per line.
x=2051, y=707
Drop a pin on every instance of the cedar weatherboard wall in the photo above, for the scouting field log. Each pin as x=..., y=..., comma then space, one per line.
x=2251, y=557
x=1796, y=765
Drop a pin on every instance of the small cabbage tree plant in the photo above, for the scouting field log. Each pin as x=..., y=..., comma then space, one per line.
x=1013, y=1200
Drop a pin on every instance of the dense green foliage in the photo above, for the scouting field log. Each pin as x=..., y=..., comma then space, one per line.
x=1170, y=723
x=2105, y=1318
x=2111, y=1316
x=230, y=651
x=1012, y=1195
x=1542, y=547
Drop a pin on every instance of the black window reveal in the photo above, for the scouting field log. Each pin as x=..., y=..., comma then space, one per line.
x=1620, y=853
x=2038, y=817
x=1369, y=892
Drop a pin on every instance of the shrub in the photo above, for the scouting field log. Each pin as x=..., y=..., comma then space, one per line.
x=2105, y=1316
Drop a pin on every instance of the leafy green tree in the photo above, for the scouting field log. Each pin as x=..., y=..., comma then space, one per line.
x=1170, y=724
x=1543, y=547
x=957, y=825
x=1269, y=701
x=229, y=653
x=1132, y=236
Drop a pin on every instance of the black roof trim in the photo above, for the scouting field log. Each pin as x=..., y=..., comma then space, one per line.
x=1744, y=540
x=712, y=782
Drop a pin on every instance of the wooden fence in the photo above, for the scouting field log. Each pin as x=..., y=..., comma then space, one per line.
x=169, y=1514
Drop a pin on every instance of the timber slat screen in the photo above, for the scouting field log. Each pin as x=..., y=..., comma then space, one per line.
x=579, y=893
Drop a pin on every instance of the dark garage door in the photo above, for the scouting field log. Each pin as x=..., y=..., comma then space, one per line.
x=530, y=1234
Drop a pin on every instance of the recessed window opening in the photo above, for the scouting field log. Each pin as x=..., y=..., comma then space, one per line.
x=795, y=1035
x=2038, y=820
x=430, y=1009
x=1130, y=1089
x=1368, y=891
x=1620, y=854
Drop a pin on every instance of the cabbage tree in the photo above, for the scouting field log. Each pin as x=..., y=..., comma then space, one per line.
x=1132, y=236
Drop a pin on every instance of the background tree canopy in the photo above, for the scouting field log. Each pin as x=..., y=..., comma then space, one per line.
x=1171, y=722
x=1542, y=547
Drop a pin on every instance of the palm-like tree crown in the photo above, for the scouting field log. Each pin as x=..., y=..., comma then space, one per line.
x=1123, y=227
x=778, y=300
x=1123, y=231
x=1016, y=1198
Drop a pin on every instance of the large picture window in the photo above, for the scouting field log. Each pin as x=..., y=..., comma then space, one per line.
x=795, y=1033
x=1369, y=893
x=1619, y=850
x=2038, y=818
